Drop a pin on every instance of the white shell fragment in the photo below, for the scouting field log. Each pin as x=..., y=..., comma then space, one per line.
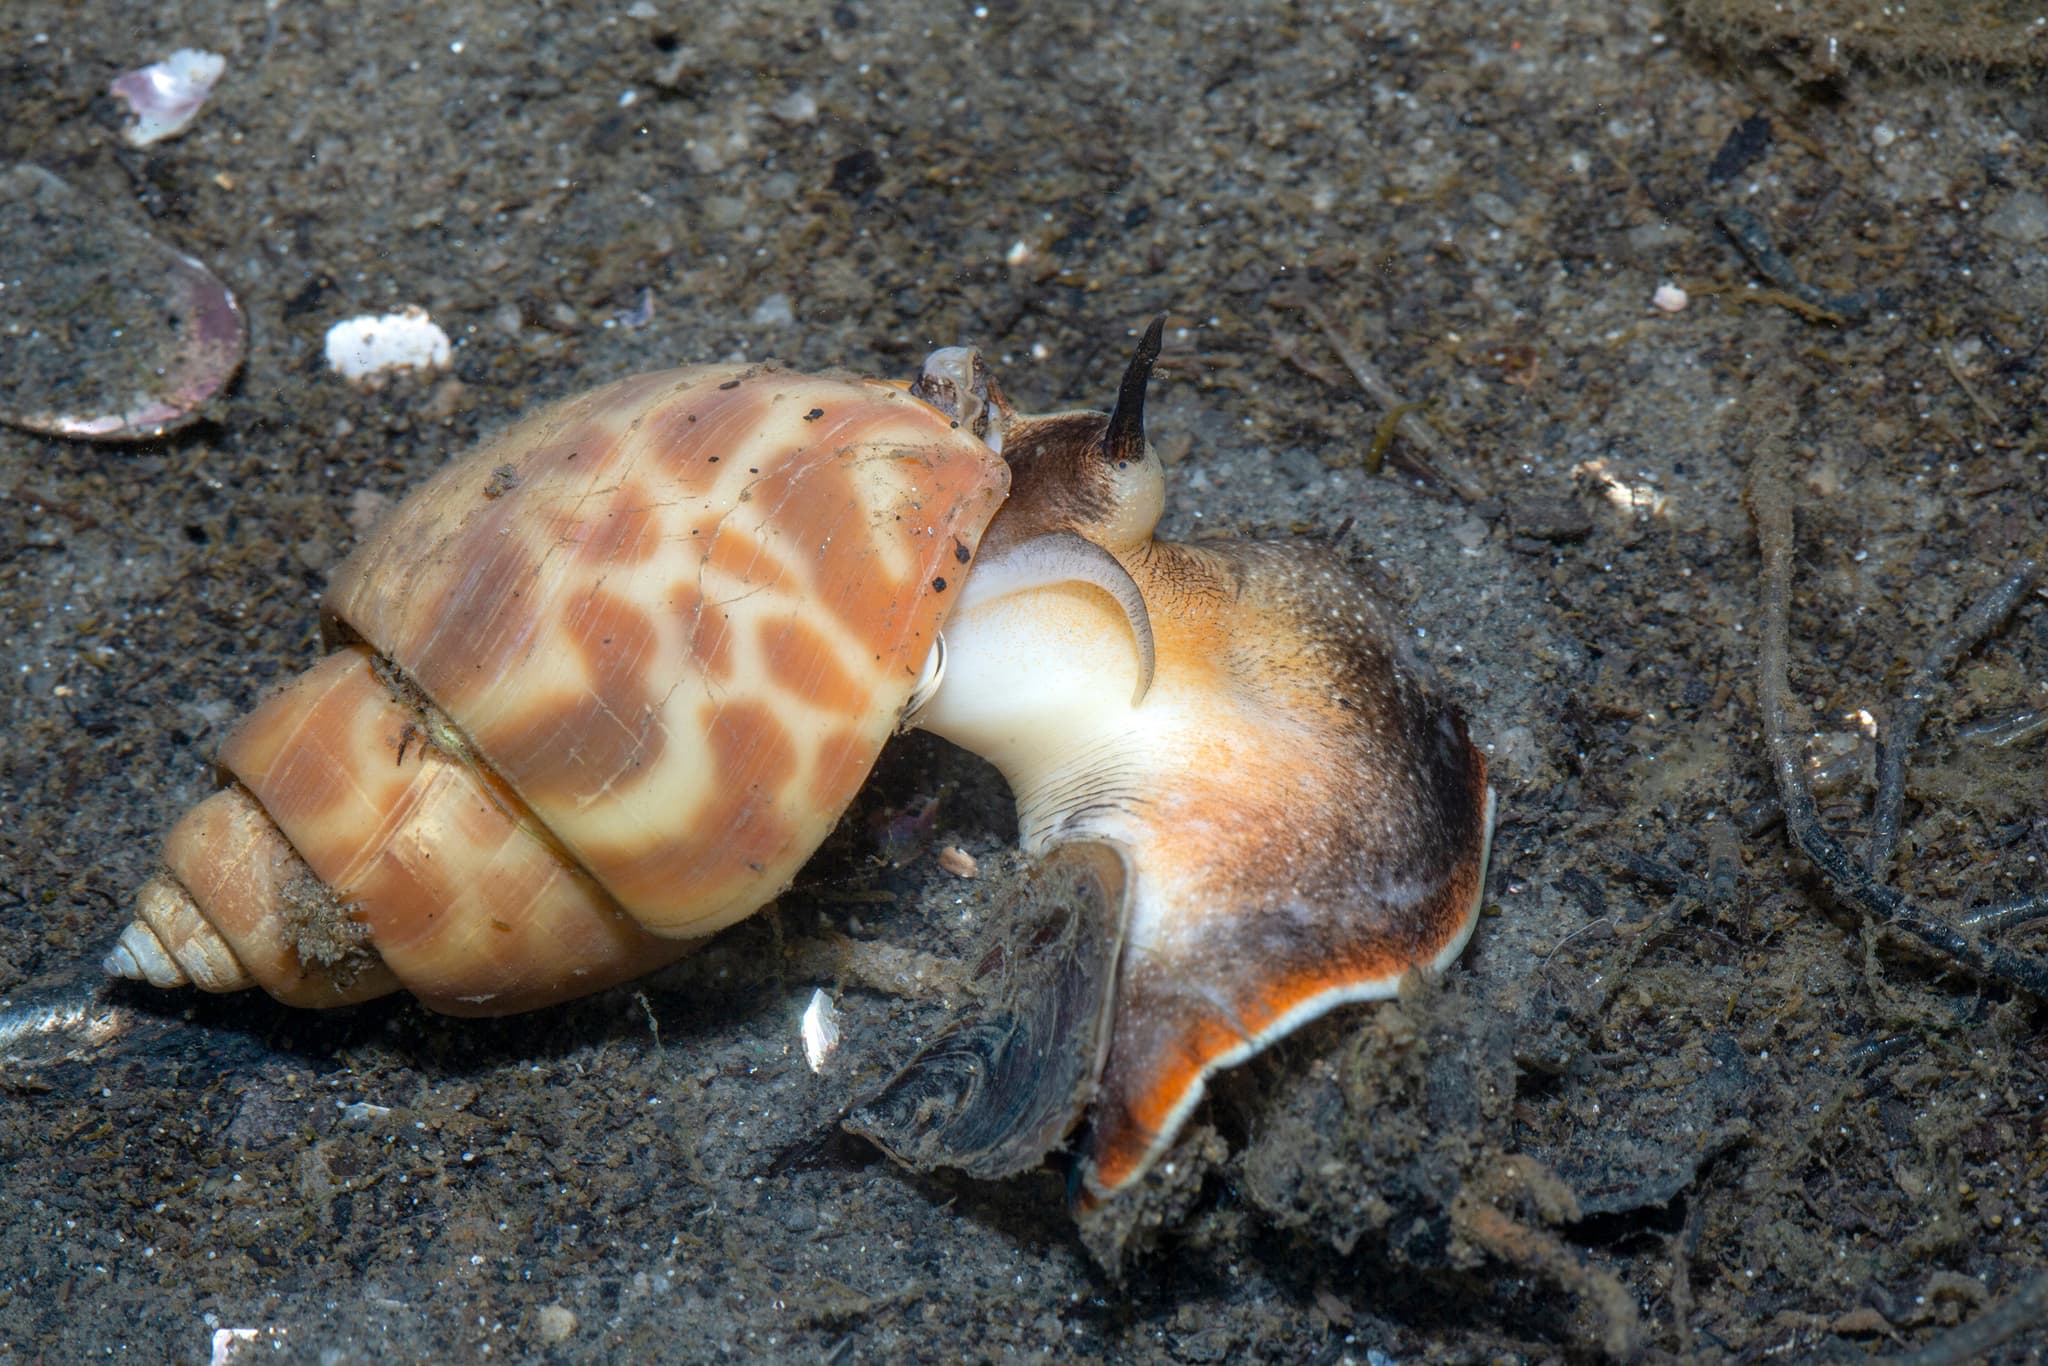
x=361, y=1111
x=166, y=96
x=820, y=1029
x=106, y=333
x=1669, y=298
x=365, y=349
x=232, y=1345
x=62, y=1032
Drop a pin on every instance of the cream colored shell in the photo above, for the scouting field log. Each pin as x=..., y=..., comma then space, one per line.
x=605, y=684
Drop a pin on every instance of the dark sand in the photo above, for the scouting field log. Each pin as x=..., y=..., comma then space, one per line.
x=1710, y=1114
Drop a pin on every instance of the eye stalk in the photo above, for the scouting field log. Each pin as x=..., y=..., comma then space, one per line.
x=1123, y=440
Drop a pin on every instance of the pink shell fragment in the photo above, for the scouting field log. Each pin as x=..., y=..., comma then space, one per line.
x=165, y=96
x=106, y=333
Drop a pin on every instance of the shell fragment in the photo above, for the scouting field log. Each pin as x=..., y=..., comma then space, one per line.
x=106, y=333
x=820, y=1029
x=166, y=96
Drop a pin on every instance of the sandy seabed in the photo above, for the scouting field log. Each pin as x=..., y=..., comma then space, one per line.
x=1677, y=1101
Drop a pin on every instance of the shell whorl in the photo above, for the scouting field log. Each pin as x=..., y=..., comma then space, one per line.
x=170, y=943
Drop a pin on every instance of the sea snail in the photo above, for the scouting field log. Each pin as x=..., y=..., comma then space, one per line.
x=1249, y=794
x=597, y=690
x=601, y=686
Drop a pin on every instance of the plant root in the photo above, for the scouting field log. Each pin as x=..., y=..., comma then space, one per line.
x=1770, y=505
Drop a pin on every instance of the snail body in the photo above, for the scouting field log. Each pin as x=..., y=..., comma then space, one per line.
x=600, y=688
x=1300, y=817
x=1251, y=795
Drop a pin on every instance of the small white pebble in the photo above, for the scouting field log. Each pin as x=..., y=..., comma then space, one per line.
x=1670, y=298
x=958, y=862
x=229, y=1344
x=798, y=106
x=774, y=311
x=557, y=1324
x=365, y=349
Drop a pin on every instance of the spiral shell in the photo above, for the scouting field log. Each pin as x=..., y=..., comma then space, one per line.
x=601, y=687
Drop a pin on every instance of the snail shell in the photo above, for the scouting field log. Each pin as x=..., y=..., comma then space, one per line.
x=600, y=688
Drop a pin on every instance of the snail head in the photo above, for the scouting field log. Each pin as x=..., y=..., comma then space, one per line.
x=1088, y=473
x=1086, y=491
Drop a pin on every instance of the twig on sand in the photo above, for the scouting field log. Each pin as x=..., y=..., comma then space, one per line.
x=1599, y=1291
x=2002, y=915
x=1903, y=730
x=1753, y=240
x=1977, y=400
x=2015, y=1314
x=1770, y=504
x=1427, y=457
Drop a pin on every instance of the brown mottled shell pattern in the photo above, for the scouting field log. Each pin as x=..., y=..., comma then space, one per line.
x=607, y=682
